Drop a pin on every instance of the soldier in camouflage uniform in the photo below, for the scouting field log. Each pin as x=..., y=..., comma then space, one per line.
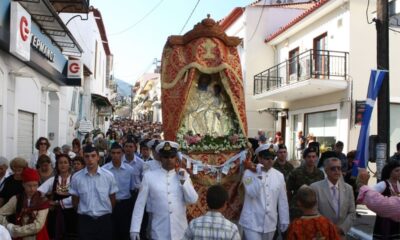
x=281, y=164
x=306, y=174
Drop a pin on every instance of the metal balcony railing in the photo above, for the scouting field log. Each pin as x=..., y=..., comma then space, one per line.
x=312, y=64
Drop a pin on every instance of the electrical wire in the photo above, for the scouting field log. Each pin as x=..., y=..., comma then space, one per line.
x=190, y=16
x=366, y=14
x=139, y=21
x=258, y=22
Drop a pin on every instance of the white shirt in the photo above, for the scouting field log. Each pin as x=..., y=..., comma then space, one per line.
x=4, y=235
x=264, y=199
x=47, y=187
x=381, y=186
x=163, y=189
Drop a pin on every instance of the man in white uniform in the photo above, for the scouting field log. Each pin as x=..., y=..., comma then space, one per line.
x=265, y=199
x=169, y=189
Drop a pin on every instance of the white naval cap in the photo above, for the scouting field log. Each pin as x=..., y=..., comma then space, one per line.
x=266, y=146
x=167, y=147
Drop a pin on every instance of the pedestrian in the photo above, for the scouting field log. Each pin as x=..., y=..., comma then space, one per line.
x=76, y=147
x=30, y=210
x=44, y=168
x=265, y=199
x=3, y=171
x=123, y=174
x=338, y=148
x=155, y=163
x=145, y=151
x=311, y=225
x=42, y=145
x=78, y=163
x=13, y=183
x=387, y=207
x=335, y=197
x=168, y=190
x=307, y=174
x=62, y=217
x=134, y=161
x=385, y=228
x=213, y=225
x=281, y=164
x=300, y=145
x=396, y=155
x=93, y=192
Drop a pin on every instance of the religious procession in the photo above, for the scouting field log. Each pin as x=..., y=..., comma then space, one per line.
x=198, y=175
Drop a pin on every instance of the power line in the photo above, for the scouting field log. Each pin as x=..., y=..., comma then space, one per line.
x=366, y=14
x=258, y=22
x=139, y=21
x=198, y=1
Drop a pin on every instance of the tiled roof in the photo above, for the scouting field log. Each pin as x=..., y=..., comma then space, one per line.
x=231, y=18
x=238, y=11
x=315, y=6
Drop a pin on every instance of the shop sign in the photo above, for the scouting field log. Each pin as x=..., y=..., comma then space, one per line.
x=105, y=111
x=360, y=109
x=42, y=48
x=20, y=32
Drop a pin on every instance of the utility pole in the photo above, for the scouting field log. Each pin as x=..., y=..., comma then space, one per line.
x=382, y=37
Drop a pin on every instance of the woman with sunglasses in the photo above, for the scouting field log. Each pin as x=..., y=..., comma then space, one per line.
x=62, y=216
x=42, y=145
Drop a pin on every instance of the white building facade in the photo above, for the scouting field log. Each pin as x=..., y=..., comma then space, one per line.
x=34, y=56
x=322, y=63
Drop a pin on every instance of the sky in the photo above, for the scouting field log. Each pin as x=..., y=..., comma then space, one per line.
x=138, y=29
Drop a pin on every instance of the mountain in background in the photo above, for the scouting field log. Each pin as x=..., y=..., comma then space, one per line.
x=124, y=88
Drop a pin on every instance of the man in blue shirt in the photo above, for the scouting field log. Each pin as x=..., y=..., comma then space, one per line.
x=93, y=192
x=123, y=174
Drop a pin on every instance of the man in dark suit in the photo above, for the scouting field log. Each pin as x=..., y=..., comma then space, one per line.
x=335, y=197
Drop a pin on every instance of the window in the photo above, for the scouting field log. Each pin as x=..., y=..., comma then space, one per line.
x=320, y=58
x=322, y=125
x=293, y=61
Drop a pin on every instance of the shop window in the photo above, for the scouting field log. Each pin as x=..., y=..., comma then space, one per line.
x=323, y=126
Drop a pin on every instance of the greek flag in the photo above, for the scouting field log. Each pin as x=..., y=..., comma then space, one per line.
x=375, y=83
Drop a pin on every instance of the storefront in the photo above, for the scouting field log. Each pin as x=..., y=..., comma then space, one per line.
x=34, y=50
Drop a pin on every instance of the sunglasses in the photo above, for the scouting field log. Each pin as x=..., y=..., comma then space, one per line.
x=335, y=168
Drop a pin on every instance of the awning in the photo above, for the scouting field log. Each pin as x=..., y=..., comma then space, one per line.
x=43, y=13
x=101, y=100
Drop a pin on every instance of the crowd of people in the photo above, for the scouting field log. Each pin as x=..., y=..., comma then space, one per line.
x=128, y=184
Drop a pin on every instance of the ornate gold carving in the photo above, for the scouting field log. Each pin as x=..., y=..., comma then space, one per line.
x=206, y=28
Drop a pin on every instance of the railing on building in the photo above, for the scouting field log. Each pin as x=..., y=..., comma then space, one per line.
x=312, y=64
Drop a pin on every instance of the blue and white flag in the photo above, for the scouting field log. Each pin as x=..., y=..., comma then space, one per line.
x=375, y=83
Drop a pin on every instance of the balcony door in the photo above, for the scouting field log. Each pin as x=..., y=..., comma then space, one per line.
x=293, y=64
x=320, y=56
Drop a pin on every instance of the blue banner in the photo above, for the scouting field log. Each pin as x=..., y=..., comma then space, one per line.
x=375, y=83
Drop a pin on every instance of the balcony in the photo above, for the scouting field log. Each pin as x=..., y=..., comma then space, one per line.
x=71, y=6
x=311, y=73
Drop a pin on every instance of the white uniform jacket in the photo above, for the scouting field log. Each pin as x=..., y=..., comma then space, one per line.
x=263, y=197
x=168, y=198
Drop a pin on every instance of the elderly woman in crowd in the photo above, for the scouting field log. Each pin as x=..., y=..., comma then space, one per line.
x=30, y=210
x=44, y=168
x=3, y=171
x=42, y=145
x=62, y=216
x=13, y=184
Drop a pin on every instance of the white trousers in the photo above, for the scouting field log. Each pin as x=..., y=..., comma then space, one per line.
x=249, y=234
